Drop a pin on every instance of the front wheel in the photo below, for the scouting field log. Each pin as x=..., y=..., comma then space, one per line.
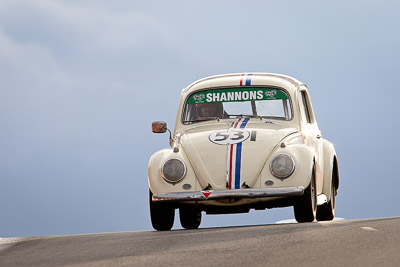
x=305, y=208
x=190, y=217
x=162, y=215
x=326, y=212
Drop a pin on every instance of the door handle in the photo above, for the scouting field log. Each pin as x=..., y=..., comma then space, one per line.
x=319, y=136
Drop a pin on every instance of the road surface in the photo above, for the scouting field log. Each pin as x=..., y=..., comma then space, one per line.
x=367, y=242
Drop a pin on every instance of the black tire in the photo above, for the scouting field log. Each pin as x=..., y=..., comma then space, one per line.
x=162, y=215
x=190, y=217
x=305, y=208
x=326, y=212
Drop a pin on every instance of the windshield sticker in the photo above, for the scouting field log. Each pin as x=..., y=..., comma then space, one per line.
x=236, y=95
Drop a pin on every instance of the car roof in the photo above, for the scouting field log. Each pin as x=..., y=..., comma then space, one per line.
x=246, y=79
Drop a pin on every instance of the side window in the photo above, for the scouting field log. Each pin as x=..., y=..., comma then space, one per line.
x=304, y=106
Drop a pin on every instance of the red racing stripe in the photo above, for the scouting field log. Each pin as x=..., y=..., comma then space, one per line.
x=241, y=80
x=237, y=123
x=230, y=168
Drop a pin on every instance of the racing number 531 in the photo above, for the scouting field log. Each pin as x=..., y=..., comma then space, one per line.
x=228, y=137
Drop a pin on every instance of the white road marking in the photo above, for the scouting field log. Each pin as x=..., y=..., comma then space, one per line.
x=367, y=228
x=286, y=221
x=9, y=240
x=294, y=221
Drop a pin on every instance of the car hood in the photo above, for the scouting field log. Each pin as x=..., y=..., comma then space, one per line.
x=231, y=165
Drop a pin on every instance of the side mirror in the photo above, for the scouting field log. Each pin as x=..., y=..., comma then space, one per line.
x=159, y=127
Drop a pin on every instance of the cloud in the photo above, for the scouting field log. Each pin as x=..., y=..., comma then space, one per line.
x=28, y=65
x=82, y=27
x=81, y=40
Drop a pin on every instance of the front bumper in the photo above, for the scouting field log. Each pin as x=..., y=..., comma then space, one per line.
x=229, y=194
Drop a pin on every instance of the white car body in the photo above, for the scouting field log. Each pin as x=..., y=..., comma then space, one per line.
x=227, y=161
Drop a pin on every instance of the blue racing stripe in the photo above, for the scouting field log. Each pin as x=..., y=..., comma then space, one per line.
x=244, y=123
x=238, y=164
x=248, y=79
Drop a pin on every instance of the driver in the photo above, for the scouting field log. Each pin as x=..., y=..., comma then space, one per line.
x=207, y=110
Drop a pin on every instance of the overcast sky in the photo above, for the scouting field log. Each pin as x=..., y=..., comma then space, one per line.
x=81, y=82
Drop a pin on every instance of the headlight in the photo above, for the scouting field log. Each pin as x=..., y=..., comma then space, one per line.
x=282, y=166
x=173, y=170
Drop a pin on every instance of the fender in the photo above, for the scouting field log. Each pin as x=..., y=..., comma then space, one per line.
x=158, y=185
x=304, y=164
x=331, y=170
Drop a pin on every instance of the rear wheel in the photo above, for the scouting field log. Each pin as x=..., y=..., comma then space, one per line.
x=190, y=217
x=326, y=212
x=305, y=208
x=162, y=215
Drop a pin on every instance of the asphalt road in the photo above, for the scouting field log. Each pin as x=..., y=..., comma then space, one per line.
x=372, y=242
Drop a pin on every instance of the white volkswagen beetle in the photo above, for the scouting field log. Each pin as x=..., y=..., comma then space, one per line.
x=241, y=142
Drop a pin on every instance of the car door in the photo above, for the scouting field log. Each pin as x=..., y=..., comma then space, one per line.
x=312, y=134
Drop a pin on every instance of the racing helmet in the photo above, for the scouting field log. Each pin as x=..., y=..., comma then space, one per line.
x=210, y=110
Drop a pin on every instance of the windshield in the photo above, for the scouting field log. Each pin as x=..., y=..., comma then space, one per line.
x=237, y=102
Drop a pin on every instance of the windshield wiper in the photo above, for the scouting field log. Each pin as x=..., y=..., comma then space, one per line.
x=208, y=119
x=244, y=115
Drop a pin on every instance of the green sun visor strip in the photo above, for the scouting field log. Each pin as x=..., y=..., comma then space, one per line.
x=236, y=95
